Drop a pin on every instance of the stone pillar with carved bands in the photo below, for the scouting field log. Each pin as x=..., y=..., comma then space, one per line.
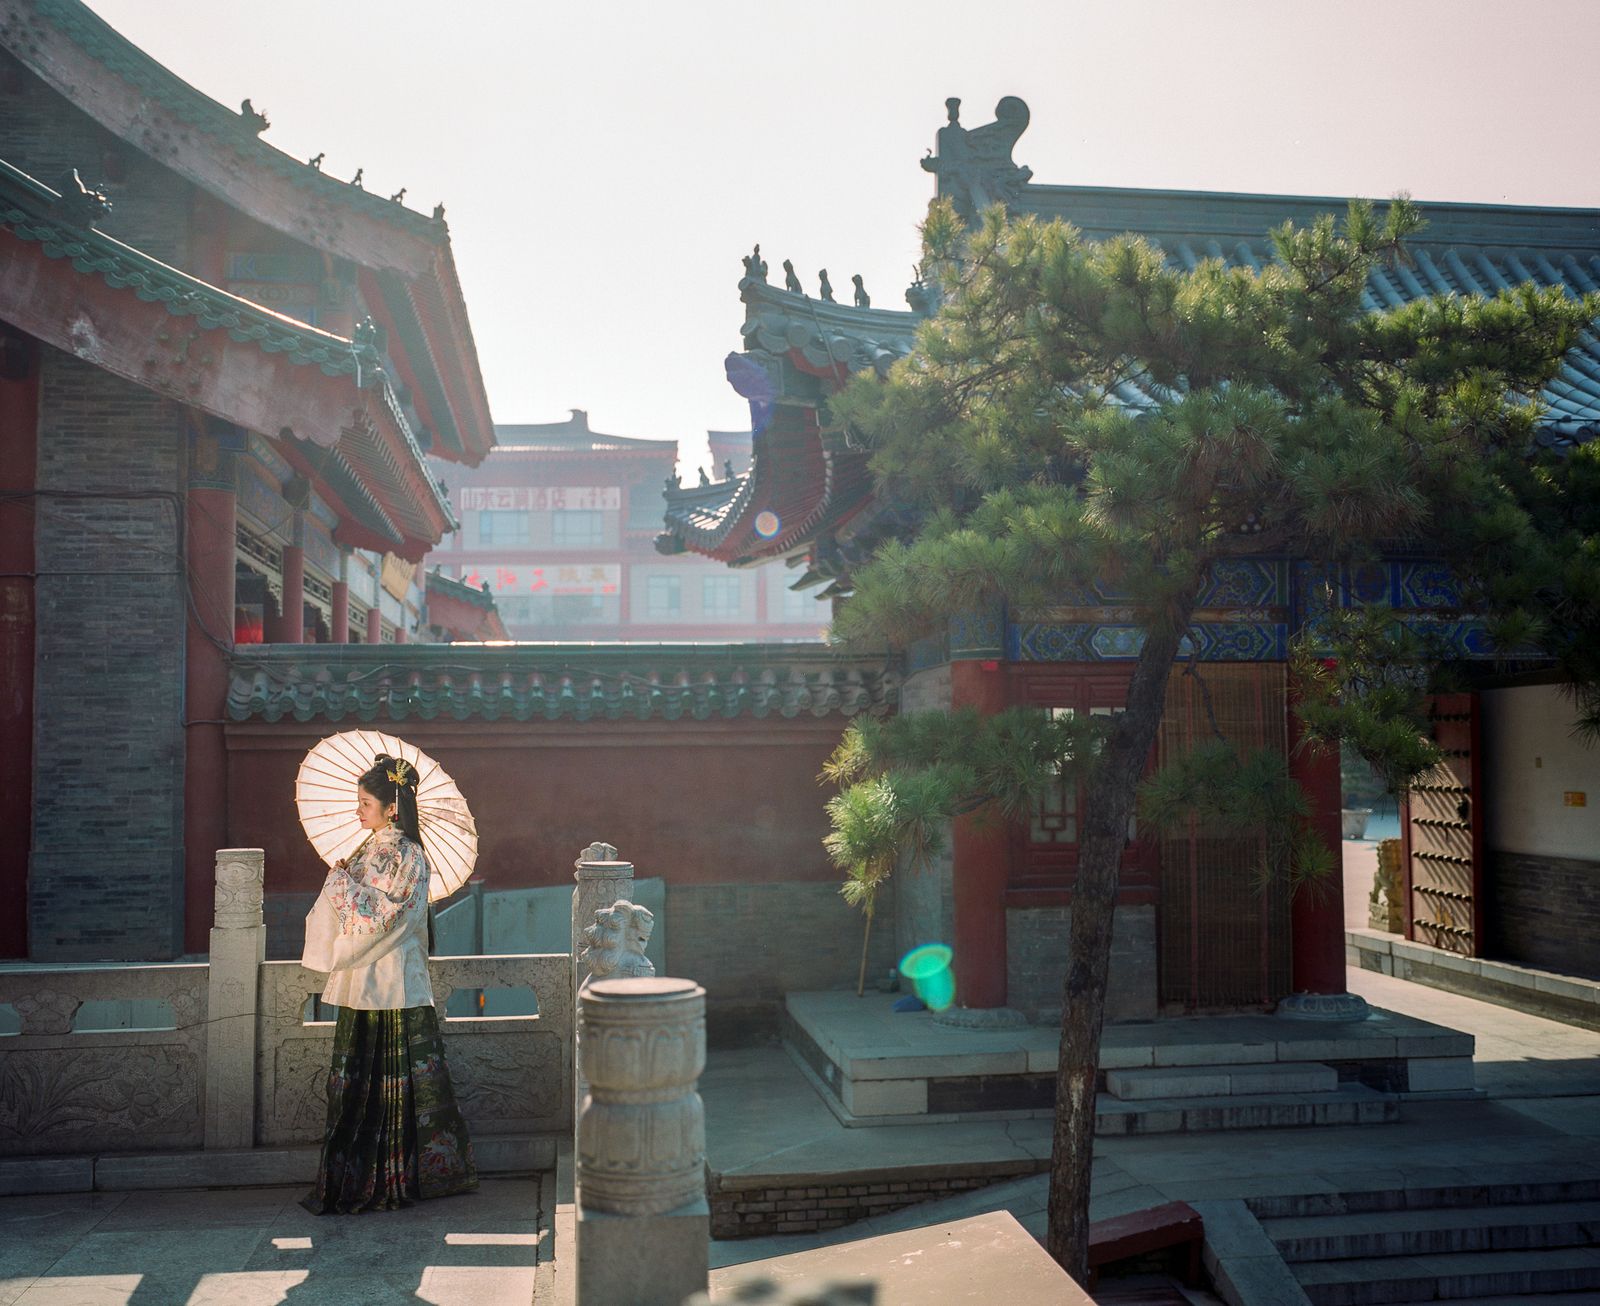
x=238, y=949
x=643, y=1222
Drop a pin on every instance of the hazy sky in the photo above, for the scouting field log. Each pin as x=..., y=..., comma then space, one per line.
x=605, y=165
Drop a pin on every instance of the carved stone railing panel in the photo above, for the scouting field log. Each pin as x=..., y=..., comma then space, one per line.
x=109, y=1090
x=511, y=1073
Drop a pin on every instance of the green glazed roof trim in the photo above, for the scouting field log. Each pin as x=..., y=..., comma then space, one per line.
x=24, y=210
x=552, y=682
x=439, y=583
x=122, y=58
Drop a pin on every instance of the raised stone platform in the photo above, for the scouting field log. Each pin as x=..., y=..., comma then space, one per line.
x=1571, y=999
x=985, y=1258
x=873, y=1065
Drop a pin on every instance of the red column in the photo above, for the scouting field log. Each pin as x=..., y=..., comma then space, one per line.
x=1316, y=923
x=980, y=863
x=340, y=628
x=210, y=524
x=374, y=626
x=400, y=632
x=19, y=443
x=294, y=595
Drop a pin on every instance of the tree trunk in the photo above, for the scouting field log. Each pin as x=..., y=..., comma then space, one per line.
x=866, y=935
x=1109, y=803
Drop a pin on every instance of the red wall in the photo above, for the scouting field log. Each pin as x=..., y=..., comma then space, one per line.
x=695, y=802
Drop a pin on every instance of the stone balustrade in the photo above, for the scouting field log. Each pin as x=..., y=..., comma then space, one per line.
x=510, y=1073
x=111, y=1090
x=242, y=1065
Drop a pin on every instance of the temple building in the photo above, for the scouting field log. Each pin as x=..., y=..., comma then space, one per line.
x=1191, y=933
x=222, y=371
x=559, y=523
x=459, y=614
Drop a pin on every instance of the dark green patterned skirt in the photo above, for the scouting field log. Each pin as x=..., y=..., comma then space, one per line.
x=394, y=1134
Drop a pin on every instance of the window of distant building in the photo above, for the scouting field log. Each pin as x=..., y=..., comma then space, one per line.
x=802, y=605
x=647, y=506
x=720, y=596
x=577, y=528
x=577, y=607
x=663, y=596
x=497, y=526
x=515, y=608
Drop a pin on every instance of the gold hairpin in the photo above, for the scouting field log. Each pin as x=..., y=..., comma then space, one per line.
x=399, y=774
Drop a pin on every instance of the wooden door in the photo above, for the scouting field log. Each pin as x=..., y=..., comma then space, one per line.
x=1442, y=834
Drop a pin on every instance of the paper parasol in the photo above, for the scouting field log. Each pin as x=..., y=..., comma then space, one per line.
x=325, y=795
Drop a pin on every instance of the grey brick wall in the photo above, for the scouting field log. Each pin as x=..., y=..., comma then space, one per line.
x=1036, y=961
x=1543, y=912
x=750, y=944
x=106, y=876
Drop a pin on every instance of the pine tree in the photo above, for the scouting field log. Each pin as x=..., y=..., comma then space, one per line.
x=1080, y=412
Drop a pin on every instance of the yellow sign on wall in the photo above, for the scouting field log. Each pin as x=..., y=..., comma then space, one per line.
x=397, y=574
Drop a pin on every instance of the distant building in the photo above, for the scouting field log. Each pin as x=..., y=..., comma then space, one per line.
x=560, y=523
x=458, y=613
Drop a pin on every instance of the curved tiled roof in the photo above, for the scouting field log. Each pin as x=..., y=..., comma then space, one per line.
x=810, y=346
x=29, y=210
x=548, y=682
x=373, y=465
x=120, y=57
x=131, y=95
x=834, y=340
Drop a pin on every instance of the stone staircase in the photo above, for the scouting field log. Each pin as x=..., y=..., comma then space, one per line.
x=1259, y=1095
x=1472, y=1245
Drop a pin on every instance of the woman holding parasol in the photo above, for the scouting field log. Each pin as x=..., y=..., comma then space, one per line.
x=395, y=1134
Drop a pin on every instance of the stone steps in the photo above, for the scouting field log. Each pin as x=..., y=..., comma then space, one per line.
x=1348, y=1104
x=1368, y=1234
x=1382, y=1280
x=1512, y=1190
x=1221, y=1081
x=1516, y=1299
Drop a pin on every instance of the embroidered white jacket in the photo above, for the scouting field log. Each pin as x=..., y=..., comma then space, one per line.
x=380, y=959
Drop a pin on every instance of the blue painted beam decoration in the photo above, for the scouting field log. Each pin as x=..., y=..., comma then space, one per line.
x=1251, y=607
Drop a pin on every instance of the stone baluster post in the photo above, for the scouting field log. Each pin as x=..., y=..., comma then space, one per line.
x=643, y=1224
x=238, y=948
x=602, y=879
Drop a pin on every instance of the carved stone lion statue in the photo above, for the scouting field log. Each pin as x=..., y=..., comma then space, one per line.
x=615, y=943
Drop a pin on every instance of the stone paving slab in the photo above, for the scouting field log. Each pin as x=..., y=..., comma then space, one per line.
x=254, y=1246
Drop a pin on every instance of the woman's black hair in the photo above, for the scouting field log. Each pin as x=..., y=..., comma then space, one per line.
x=393, y=781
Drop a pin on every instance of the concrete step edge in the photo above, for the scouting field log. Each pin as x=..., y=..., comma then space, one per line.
x=1354, y=1093
x=1442, y=1265
x=1408, y=1244
x=1430, y=1217
x=1145, y=1082
x=1544, y=1189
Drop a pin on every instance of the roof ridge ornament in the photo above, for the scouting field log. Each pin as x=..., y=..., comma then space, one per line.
x=975, y=168
x=755, y=267
x=254, y=120
x=79, y=204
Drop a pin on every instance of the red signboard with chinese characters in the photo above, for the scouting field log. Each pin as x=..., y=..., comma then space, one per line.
x=540, y=498
x=561, y=578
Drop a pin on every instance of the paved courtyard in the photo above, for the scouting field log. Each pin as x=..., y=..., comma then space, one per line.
x=255, y=1246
